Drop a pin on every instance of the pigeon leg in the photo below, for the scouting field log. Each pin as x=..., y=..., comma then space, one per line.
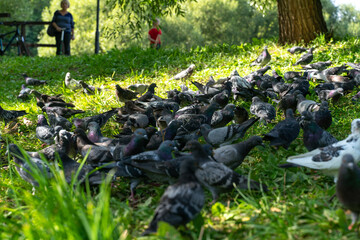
x=133, y=185
x=354, y=218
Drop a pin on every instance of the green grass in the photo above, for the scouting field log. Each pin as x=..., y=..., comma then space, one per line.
x=296, y=207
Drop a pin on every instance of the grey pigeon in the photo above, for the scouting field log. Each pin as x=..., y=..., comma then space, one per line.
x=55, y=120
x=33, y=81
x=61, y=111
x=139, y=87
x=233, y=155
x=46, y=98
x=240, y=115
x=334, y=95
x=226, y=135
x=149, y=94
x=101, y=119
x=313, y=135
x=297, y=49
x=71, y=83
x=95, y=136
x=26, y=165
x=222, y=117
x=183, y=75
x=265, y=111
x=262, y=59
x=323, y=115
x=182, y=201
x=348, y=187
x=95, y=154
x=24, y=93
x=306, y=58
x=318, y=65
x=44, y=132
x=291, y=75
x=10, y=115
x=284, y=132
x=124, y=95
x=328, y=159
x=306, y=105
x=216, y=176
x=88, y=89
x=356, y=97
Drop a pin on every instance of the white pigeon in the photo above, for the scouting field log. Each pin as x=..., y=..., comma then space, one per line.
x=328, y=159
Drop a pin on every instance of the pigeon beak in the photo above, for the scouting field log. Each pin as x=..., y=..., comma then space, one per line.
x=350, y=165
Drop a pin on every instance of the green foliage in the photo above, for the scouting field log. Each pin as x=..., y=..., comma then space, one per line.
x=216, y=22
x=296, y=207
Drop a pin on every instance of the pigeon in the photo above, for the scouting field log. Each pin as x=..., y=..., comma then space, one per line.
x=72, y=168
x=24, y=93
x=306, y=105
x=291, y=75
x=33, y=81
x=124, y=95
x=225, y=135
x=183, y=75
x=44, y=132
x=182, y=201
x=239, y=82
x=149, y=94
x=61, y=111
x=95, y=136
x=55, y=120
x=318, y=65
x=323, y=115
x=306, y=58
x=284, y=132
x=348, y=187
x=222, y=117
x=334, y=95
x=328, y=159
x=28, y=166
x=314, y=136
x=71, y=83
x=214, y=175
x=265, y=111
x=240, y=115
x=94, y=154
x=262, y=59
x=140, y=88
x=296, y=49
x=46, y=98
x=136, y=145
x=42, y=104
x=10, y=115
x=101, y=119
x=88, y=89
x=233, y=155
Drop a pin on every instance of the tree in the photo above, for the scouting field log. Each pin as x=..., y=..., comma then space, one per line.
x=300, y=20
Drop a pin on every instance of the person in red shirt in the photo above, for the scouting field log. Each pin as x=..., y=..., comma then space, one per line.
x=154, y=35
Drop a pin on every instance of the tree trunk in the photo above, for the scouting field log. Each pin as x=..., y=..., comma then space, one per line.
x=300, y=20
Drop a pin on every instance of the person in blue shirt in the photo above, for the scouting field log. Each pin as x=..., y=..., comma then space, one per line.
x=62, y=19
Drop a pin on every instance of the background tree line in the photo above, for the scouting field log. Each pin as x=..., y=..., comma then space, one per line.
x=205, y=22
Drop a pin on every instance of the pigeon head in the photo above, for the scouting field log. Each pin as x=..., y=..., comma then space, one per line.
x=79, y=123
x=355, y=126
x=195, y=148
x=94, y=129
x=348, y=162
x=152, y=87
x=140, y=132
x=256, y=99
x=311, y=50
x=42, y=120
x=15, y=151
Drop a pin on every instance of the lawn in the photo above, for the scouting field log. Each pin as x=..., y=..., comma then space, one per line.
x=296, y=207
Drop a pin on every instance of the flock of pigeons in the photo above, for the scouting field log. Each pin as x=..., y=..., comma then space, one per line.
x=157, y=132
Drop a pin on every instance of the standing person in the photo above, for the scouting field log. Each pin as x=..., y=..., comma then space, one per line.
x=154, y=35
x=62, y=19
